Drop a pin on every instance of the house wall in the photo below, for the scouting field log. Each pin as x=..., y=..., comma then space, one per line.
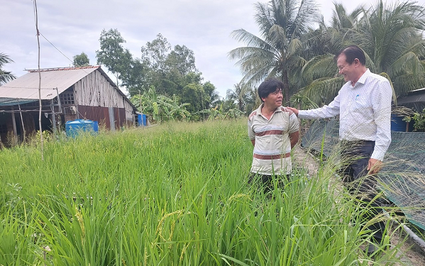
x=96, y=90
x=101, y=115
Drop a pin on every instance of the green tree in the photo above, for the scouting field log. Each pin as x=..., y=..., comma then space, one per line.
x=242, y=97
x=134, y=76
x=391, y=39
x=161, y=69
x=194, y=94
x=319, y=80
x=81, y=60
x=213, y=113
x=169, y=69
x=282, y=24
x=210, y=91
x=172, y=71
x=112, y=54
x=161, y=108
x=155, y=53
x=182, y=59
x=330, y=39
x=5, y=76
x=131, y=72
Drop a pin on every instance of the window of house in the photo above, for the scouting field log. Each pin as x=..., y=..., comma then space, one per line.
x=67, y=97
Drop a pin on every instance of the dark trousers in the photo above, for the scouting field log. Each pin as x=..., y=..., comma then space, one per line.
x=266, y=181
x=355, y=157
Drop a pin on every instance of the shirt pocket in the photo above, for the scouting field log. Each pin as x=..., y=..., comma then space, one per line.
x=360, y=103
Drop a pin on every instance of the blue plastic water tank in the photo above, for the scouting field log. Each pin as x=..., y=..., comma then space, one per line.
x=73, y=128
x=397, y=124
x=141, y=119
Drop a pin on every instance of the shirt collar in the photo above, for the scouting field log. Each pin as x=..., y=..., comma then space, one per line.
x=279, y=109
x=363, y=78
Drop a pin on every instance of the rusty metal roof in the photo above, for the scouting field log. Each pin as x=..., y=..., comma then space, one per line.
x=53, y=81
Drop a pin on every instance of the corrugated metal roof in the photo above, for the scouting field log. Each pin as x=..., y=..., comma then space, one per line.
x=415, y=96
x=11, y=102
x=27, y=86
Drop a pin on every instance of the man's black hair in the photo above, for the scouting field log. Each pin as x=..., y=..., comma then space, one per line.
x=352, y=52
x=268, y=86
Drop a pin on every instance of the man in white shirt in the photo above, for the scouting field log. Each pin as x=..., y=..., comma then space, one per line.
x=364, y=108
x=273, y=131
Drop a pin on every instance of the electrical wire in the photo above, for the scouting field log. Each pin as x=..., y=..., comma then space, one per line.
x=56, y=48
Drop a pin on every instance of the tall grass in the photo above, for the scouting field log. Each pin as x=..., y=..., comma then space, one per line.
x=175, y=194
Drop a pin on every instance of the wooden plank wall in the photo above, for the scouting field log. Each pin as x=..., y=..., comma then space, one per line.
x=96, y=90
x=101, y=115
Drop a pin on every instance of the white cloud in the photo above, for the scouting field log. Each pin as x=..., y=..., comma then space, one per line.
x=204, y=26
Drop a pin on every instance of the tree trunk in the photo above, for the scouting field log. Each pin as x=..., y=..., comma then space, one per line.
x=286, y=95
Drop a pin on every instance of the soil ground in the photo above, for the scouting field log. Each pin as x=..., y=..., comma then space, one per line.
x=410, y=253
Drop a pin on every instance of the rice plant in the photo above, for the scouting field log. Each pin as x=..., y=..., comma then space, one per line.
x=174, y=194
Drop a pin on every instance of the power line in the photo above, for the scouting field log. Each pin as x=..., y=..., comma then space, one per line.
x=60, y=51
x=56, y=48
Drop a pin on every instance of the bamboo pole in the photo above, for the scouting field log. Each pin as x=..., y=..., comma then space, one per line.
x=39, y=82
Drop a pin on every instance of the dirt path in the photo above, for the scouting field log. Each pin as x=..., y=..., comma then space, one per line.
x=410, y=253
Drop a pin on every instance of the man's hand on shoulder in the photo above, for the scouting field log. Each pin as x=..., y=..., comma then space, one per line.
x=293, y=110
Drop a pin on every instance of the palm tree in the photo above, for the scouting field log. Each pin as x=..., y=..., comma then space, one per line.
x=241, y=95
x=5, y=76
x=330, y=39
x=343, y=22
x=277, y=54
x=319, y=76
x=390, y=38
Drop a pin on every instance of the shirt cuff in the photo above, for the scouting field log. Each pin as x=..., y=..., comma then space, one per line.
x=378, y=155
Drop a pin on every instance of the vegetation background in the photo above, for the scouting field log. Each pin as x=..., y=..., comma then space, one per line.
x=294, y=45
x=177, y=194
x=174, y=194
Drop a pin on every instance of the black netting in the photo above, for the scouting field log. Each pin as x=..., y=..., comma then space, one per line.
x=403, y=177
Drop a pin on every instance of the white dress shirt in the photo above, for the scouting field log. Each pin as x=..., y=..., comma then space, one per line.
x=364, y=109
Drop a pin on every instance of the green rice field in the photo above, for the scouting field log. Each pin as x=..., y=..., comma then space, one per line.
x=173, y=194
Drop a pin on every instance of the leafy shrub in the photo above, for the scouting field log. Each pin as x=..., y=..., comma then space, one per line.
x=418, y=120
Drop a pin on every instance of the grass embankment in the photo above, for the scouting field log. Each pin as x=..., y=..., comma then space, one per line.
x=174, y=194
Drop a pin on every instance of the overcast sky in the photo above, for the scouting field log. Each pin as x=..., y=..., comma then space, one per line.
x=73, y=27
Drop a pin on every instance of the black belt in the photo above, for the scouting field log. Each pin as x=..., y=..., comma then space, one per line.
x=354, y=144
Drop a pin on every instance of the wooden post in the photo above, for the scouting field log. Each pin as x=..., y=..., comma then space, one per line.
x=15, y=131
x=52, y=107
x=22, y=124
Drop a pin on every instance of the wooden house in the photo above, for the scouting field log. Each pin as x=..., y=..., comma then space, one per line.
x=66, y=94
